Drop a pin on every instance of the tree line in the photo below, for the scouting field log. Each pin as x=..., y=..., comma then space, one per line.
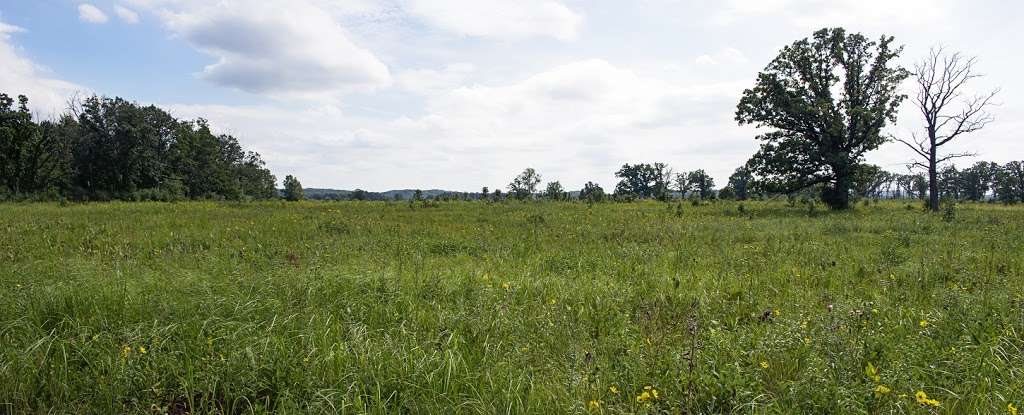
x=109, y=148
x=983, y=181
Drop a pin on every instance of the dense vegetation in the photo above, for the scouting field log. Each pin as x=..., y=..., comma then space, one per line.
x=510, y=307
x=109, y=148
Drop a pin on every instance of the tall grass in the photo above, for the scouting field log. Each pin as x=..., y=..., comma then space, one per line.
x=464, y=307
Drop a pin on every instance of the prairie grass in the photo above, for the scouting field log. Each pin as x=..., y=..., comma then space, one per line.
x=469, y=307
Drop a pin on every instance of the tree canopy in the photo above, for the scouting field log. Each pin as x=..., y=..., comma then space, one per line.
x=111, y=148
x=826, y=100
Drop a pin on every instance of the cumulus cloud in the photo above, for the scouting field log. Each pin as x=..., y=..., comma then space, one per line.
x=500, y=18
x=293, y=49
x=126, y=15
x=91, y=14
x=21, y=76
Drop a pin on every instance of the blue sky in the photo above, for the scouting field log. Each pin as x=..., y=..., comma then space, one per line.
x=460, y=94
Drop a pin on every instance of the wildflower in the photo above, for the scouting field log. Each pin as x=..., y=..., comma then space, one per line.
x=142, y=349
x=125, y=351
x=872, y=372
x=1012, y=410
x=923, y=323
x=552, y=301
x=775, y=312
x=594, y=405
x=648, y=393
x=922, y=398
x=807, y=341
x=764, y=364
x=881, y=390
x=506, y=286
x=613, y=389
x=803, y=324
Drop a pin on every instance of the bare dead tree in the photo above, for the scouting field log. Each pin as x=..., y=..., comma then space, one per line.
x=948, y=114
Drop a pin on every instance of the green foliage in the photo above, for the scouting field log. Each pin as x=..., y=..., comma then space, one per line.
x=293, y=189
x=741, y=182
x=32, y=158
x=592, y=193
x=1009, y=183
x=370, y=307
x=554, y=191
x=525, y=184
x=116, y=149
x=644, y=181
x=702, y=183
x=819, y=138
x=949, y=210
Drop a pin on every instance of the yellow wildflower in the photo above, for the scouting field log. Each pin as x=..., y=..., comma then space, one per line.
x=1011, y=409
x=552, y=301
x=872, y=373
x=125, y=351
x=594, y=405
x=807, y=341
x=764, y=364
x=775, y=312
x=923, y=323
x=506, y=286
x=643, y=396
x=881, y=390
x=922, y=398
x=142, y=349
x=613, y=389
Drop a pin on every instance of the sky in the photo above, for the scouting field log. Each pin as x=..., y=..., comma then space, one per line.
x=460, y=94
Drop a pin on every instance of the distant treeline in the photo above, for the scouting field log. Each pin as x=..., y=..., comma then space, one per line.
x=980, y=182
x=109, y=148
x=984, y=181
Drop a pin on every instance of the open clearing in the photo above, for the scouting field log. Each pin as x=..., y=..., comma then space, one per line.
x=470, y=307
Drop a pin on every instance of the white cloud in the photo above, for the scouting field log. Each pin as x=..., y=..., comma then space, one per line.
x=501, y=19
x=293, y=49
x=727, y=56
x=126, y=15
x=825, y=13
x=91, y=14
x=426, y=81
x=21, y=76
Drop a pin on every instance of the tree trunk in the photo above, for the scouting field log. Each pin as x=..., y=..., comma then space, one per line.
x=933, y=182
x=837, y=196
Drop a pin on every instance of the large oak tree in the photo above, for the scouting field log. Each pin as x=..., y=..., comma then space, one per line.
x=826, y=100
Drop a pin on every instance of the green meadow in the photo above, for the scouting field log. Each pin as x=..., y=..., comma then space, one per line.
x=484, y=308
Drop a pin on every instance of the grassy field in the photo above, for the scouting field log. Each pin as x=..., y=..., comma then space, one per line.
x=470, y=307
